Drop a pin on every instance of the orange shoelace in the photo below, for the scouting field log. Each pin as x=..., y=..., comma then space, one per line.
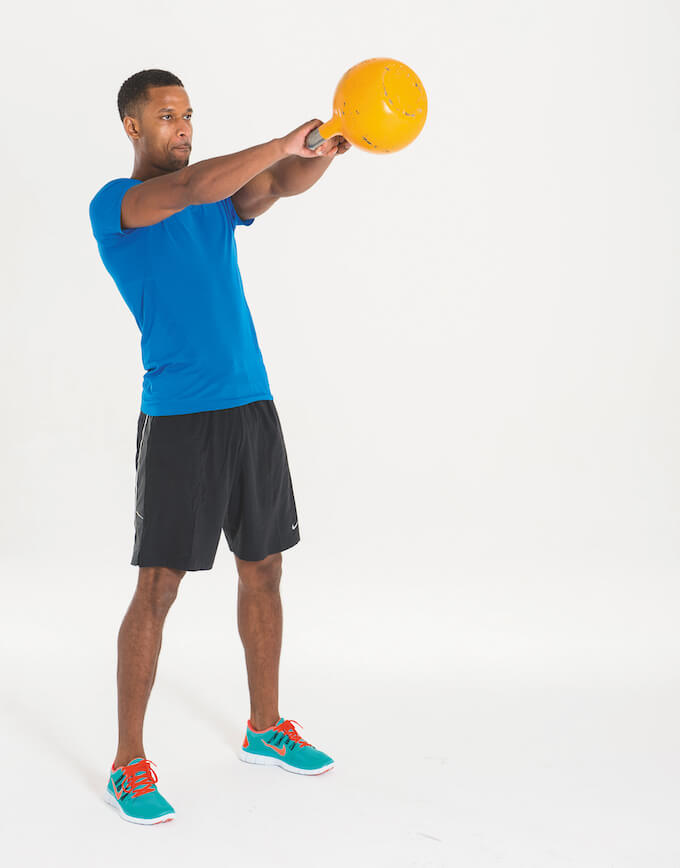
x=287, y=728
x=138, y=779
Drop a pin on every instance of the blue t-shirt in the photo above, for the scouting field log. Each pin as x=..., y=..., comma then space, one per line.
x=181, y=280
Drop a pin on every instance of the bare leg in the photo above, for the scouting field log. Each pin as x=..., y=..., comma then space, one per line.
x=260, y=624
x=139, y=645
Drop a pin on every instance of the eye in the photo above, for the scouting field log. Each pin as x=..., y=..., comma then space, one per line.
x=169, y=116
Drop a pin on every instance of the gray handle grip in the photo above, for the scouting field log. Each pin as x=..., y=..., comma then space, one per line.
x=314, y=139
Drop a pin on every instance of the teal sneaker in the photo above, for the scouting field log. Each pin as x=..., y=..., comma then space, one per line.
x=281, y=745
x=132, y=791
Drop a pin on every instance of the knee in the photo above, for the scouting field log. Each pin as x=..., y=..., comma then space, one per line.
x=158, y=587
x=264, y=575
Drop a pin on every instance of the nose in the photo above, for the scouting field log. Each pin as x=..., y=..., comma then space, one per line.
x=183, y=135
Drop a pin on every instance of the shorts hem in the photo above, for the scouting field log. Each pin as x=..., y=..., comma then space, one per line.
x=270, y=551
x=159, y=562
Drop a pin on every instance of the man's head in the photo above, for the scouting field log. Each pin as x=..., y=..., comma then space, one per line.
x=155, y=111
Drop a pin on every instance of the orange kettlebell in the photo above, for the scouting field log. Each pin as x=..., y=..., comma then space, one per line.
x=379, y=105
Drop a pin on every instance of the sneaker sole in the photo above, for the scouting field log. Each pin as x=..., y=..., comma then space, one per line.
x=259, y=760
x=113, y=801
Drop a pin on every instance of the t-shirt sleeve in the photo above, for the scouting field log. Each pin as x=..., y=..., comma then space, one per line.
x=235, y=219
x=105, y=210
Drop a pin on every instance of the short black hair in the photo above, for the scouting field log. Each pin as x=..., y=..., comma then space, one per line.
x=133, y=92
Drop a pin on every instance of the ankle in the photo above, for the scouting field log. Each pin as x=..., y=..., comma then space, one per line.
x=123, y=758
x=262, y=722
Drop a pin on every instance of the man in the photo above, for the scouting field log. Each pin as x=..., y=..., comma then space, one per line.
x=210, y=455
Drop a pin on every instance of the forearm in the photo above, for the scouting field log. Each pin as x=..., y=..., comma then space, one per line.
x=220, y=177
x=293, y=174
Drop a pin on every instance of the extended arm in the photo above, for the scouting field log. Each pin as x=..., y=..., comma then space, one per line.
x=255, y=178
x=198, y=184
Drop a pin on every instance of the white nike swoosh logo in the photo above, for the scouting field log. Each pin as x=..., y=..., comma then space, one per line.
x=294, y=526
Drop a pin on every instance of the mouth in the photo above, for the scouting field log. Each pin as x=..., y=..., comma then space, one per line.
x=183, y=148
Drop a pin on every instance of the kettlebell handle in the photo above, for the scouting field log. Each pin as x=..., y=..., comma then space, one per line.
x=314, y=139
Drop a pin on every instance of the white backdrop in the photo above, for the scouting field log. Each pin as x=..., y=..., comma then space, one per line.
x=472, y=346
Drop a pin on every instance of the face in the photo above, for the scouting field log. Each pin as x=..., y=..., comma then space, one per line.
x=163, y=134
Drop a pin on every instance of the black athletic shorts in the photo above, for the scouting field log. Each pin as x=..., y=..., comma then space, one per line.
x=200, y=474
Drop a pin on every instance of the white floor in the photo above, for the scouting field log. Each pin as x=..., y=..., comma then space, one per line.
x=437, y=765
